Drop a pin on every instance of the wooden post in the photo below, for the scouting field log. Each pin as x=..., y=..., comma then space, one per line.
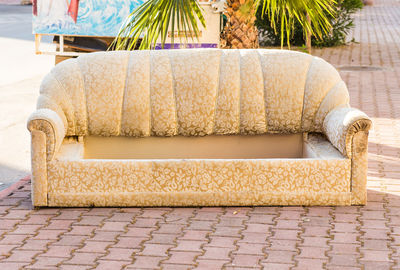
x=61, y=43
x=38, y=38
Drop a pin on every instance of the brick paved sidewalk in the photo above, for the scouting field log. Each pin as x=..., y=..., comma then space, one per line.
x=243, y=238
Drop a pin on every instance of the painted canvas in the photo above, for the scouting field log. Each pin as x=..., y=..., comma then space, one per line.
x=81, y=17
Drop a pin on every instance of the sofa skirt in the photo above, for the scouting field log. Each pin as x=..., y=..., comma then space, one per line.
x=207, y=182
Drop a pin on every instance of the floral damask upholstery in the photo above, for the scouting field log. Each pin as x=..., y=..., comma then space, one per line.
x=194, y=93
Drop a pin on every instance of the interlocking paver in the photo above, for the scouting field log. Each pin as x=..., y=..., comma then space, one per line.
x=59, y=251
x=216, y=253
x=276, y=266
x=83, y=258
x=285, y=234
x=182, y=257
x=227, y=242
x=107, y=265
x=345, y=238
x=5, y=250
x=344, y=248
x=119, y=254
x=146, y=262
x=95, y=246
x=281, y=244
x=80, y=230
x=21, y=256
x=189, y=245
x=249, y=248
x=305, y=264
x=280, y=256
x=32, y=244
x=155, y=249
x=166, y=266
x=210, y=264
x=42, y=262
x=194, y=235
x=131, y=242
x=246, y=260
x=12, y=265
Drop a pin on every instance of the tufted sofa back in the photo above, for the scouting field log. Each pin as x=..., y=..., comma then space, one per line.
x=193, y=92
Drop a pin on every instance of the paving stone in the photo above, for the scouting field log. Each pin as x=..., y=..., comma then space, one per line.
x=114, y=226
x=5, y=250
x=344, y=248
x=281, y=244
x=70, y=215
x=82, y=258
x=43, y=262
x=146, y=262
x=166, y=266
x=32, y=244
x=249, y=248
x=170, y=228
x=305, y=263
x=95, y=246
x=228, y=231
x=123, y=217
x=108, y=236
x=13, y=239
x=194, y=235
x=285, y=234
x=26, y=229
x=21, y=256
x=59, y=251
x=107, y=265
x=74, y=267
x=145, y=222
x=12, y=265
x=35, y=220
x=182, y=257
x=119, y=254
x=276, y=266
x=246, y=260
x=376, y=255
x=210, y=264
x=343, y=259
x=138, y=232
x=81, y=230
x=90, y=220
x=155, y=249
x=130, y=242
x=102, y=212
x=310, y=241
x=262, y=219
x=189, y=245
x=216, y=253
x=280, y=256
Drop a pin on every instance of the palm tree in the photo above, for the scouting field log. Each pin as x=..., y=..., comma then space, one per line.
x=240, y=30
x=152, y=20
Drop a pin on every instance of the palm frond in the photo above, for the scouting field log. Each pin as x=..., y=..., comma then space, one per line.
x=150, y=23
x=313, y=16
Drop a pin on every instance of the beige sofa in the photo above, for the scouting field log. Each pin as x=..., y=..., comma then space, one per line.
x=197, y=127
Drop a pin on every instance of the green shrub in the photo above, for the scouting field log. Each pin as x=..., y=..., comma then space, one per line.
x=341, y=26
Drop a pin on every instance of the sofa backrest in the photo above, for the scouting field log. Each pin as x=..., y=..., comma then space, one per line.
x=193, y=92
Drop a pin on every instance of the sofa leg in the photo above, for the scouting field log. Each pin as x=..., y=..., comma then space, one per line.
x=359, y=165
x=39, y=168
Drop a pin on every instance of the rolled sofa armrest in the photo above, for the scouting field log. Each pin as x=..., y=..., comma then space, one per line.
x=51, y=124
x=340, y=126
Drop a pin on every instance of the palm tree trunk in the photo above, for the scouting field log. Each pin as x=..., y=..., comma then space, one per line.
x=240, y=31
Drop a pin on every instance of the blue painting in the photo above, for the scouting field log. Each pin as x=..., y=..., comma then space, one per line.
x=81, y=17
